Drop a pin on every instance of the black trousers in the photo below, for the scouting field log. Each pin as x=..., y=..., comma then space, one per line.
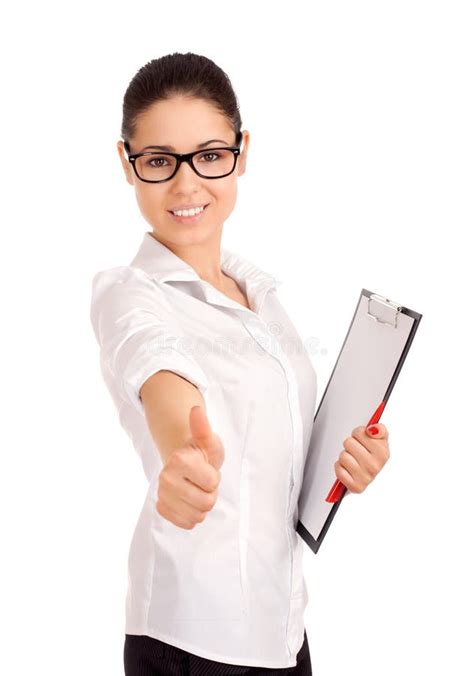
x=147, y=656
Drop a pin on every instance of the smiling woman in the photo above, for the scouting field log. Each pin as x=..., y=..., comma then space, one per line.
x=215, y=389
x=193, y=107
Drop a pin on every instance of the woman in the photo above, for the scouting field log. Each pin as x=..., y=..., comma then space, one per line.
x=216, y=391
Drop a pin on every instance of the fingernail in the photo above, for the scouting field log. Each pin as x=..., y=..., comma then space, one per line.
x=373, y=429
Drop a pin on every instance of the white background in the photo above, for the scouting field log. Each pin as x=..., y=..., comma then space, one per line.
x=360, y=174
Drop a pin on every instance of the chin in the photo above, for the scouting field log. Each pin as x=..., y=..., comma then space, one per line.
x=182, y=235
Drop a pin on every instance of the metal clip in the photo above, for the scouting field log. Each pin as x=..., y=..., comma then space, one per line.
x=386, y=309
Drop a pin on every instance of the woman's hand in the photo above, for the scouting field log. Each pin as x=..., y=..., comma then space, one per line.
x=364, y=456
x=188, y=482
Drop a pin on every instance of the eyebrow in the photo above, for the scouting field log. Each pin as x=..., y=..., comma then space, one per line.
x=199, y=146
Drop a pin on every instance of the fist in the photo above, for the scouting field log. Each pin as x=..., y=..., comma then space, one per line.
x=366, y=452
x=187, y=486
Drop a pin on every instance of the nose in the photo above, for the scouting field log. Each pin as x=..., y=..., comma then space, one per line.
x=186, y=178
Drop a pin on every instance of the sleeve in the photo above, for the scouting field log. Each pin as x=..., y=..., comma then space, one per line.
x=134, y=335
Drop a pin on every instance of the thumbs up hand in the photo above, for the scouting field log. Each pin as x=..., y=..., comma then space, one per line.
x=188, y=482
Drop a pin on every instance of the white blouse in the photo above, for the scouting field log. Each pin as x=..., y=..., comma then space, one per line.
x=232, y=588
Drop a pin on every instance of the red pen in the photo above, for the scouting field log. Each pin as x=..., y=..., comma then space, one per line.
x=338, y=489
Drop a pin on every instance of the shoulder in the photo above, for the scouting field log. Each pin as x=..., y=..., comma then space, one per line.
x=124, y=288
x=122, y=280
x=124, y=275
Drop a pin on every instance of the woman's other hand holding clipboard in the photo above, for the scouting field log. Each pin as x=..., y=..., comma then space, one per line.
x=365, y=453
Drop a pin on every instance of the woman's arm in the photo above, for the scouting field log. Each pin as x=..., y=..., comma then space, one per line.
x=192, y=453
x=167, y=400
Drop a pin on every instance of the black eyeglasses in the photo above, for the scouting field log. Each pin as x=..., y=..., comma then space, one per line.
x=157, y=167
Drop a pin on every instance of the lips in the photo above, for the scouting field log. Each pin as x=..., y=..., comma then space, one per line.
x=183, y=208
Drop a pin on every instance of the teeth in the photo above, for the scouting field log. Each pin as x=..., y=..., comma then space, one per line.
x=188, y=212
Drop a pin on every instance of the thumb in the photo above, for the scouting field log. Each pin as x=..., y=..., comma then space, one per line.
x=202, y=436
x=201, y=432
x=377, y=431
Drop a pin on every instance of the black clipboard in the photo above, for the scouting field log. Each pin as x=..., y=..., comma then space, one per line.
x=369, y=362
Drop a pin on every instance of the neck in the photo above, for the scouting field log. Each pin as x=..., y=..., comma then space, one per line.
x=204, y=258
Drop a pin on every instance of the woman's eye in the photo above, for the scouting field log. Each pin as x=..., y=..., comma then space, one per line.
x=205, y=155
x=155, y=162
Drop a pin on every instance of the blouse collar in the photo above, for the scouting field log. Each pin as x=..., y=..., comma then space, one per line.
x=158, y=261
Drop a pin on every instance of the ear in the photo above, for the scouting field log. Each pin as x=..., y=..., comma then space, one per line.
x=127, y=167
x=242, y=159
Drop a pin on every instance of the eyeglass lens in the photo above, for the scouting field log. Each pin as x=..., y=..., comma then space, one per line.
x=160, y=166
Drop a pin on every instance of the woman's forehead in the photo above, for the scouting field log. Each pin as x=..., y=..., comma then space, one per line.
x=182, y=120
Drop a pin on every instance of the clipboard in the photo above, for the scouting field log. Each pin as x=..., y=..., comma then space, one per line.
x=369, y=362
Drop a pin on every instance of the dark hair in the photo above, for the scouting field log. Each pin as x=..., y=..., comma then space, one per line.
x=187, y=74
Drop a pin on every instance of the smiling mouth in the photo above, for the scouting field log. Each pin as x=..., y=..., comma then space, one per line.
x=190, y=216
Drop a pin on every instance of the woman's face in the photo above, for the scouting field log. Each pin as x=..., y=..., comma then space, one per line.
x=183, y=123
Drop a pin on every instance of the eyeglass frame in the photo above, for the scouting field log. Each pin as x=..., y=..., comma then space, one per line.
x=182, y=157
